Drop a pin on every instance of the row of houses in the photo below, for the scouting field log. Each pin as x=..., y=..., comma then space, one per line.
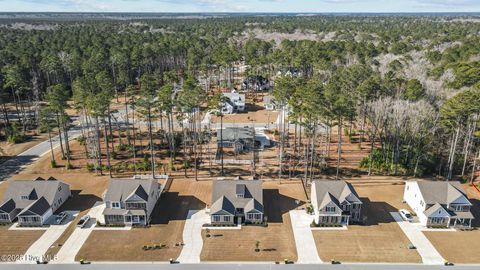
x=131, y=202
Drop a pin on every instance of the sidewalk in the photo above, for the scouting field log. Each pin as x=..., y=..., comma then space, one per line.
x=192, y=236
x=426, y=250
x=306, y=248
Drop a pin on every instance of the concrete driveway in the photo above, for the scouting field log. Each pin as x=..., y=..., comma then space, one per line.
x=38, y=249
x=304, y=242
x=426, y=250
x=74, y=243
x=192, y=236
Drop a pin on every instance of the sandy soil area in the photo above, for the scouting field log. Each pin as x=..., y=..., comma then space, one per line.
x=168, y=220
x=380, y=239
x=276, y=241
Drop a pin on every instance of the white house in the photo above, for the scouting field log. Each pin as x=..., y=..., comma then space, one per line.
x=233, y=103
x=439, y=204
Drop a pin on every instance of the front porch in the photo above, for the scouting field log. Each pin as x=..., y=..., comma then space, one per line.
x=333, y=219
x=30, y=221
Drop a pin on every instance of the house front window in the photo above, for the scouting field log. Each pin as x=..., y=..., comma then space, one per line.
x=460, y=208
x=226, y=218
x=216, y=218
x=31, y=219
x=115, y=205
x=255, y=216
x=4, y=216
x=136, y=206
x=330, y=209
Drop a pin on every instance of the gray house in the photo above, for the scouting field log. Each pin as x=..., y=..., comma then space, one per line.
x=242, y=139
x=335, y=202
x=237, y=202
x=33, y=202
x=439, y=204
x=131, y=201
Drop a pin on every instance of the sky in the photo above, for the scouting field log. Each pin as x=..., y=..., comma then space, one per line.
x=303, y=6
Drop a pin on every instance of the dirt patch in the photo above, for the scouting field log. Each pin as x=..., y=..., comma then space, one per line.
x=168, y=221
x=380, y=239
x=276, y=241
x=16, y=242
x=456, y=247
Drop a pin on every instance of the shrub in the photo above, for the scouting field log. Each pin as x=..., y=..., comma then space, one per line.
x=53, y=163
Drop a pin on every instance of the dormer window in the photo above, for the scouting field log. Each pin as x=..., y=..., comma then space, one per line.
x=240, y=190
x=115, y=205
x=24, y=197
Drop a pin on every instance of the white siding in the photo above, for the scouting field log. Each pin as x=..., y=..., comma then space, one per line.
x=313, y=201
x=413, y=197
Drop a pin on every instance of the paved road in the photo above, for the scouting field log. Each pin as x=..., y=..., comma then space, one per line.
x=306, y=247
x=192, y=236
x=15, y=164
x=150, y=266
x=426, y=250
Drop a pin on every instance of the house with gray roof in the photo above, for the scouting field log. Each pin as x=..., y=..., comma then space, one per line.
x=32, y=203
x=242, y=139
x=233, y=103
x=335, y=202
x=438, y=203
x=237, y=202
x=131, y=201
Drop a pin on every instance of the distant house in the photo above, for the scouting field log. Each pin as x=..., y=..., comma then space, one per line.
x=256, y=83
x=335, y=202
x=290, y=72
x=131, y=201
x=33, y=202
x=242, y=139
x=234, y=103
x=439, y=204
x=269, y=103
x=237, y=202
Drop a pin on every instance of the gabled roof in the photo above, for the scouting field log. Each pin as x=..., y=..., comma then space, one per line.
x=38, y=207
x=138, y=194
x=224, y=195
x=253, y=206
x=8, y=206
x=32, y=190
x=337, y=191
x=134, y=189
x=441, y=192
x=434, y=209
x=222, y=206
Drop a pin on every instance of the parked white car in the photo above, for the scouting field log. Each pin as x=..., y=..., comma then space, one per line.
x=61, y=217
x=84, y=220
x=406, y=215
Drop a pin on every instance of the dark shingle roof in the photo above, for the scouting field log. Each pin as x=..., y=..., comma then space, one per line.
x=8, y=206
x=334, y=191
x=122, y=189
x=440, y=192
x=224, y=195
x=39, y=207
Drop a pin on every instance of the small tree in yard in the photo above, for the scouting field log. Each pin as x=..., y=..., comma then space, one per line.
x=257, y=246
